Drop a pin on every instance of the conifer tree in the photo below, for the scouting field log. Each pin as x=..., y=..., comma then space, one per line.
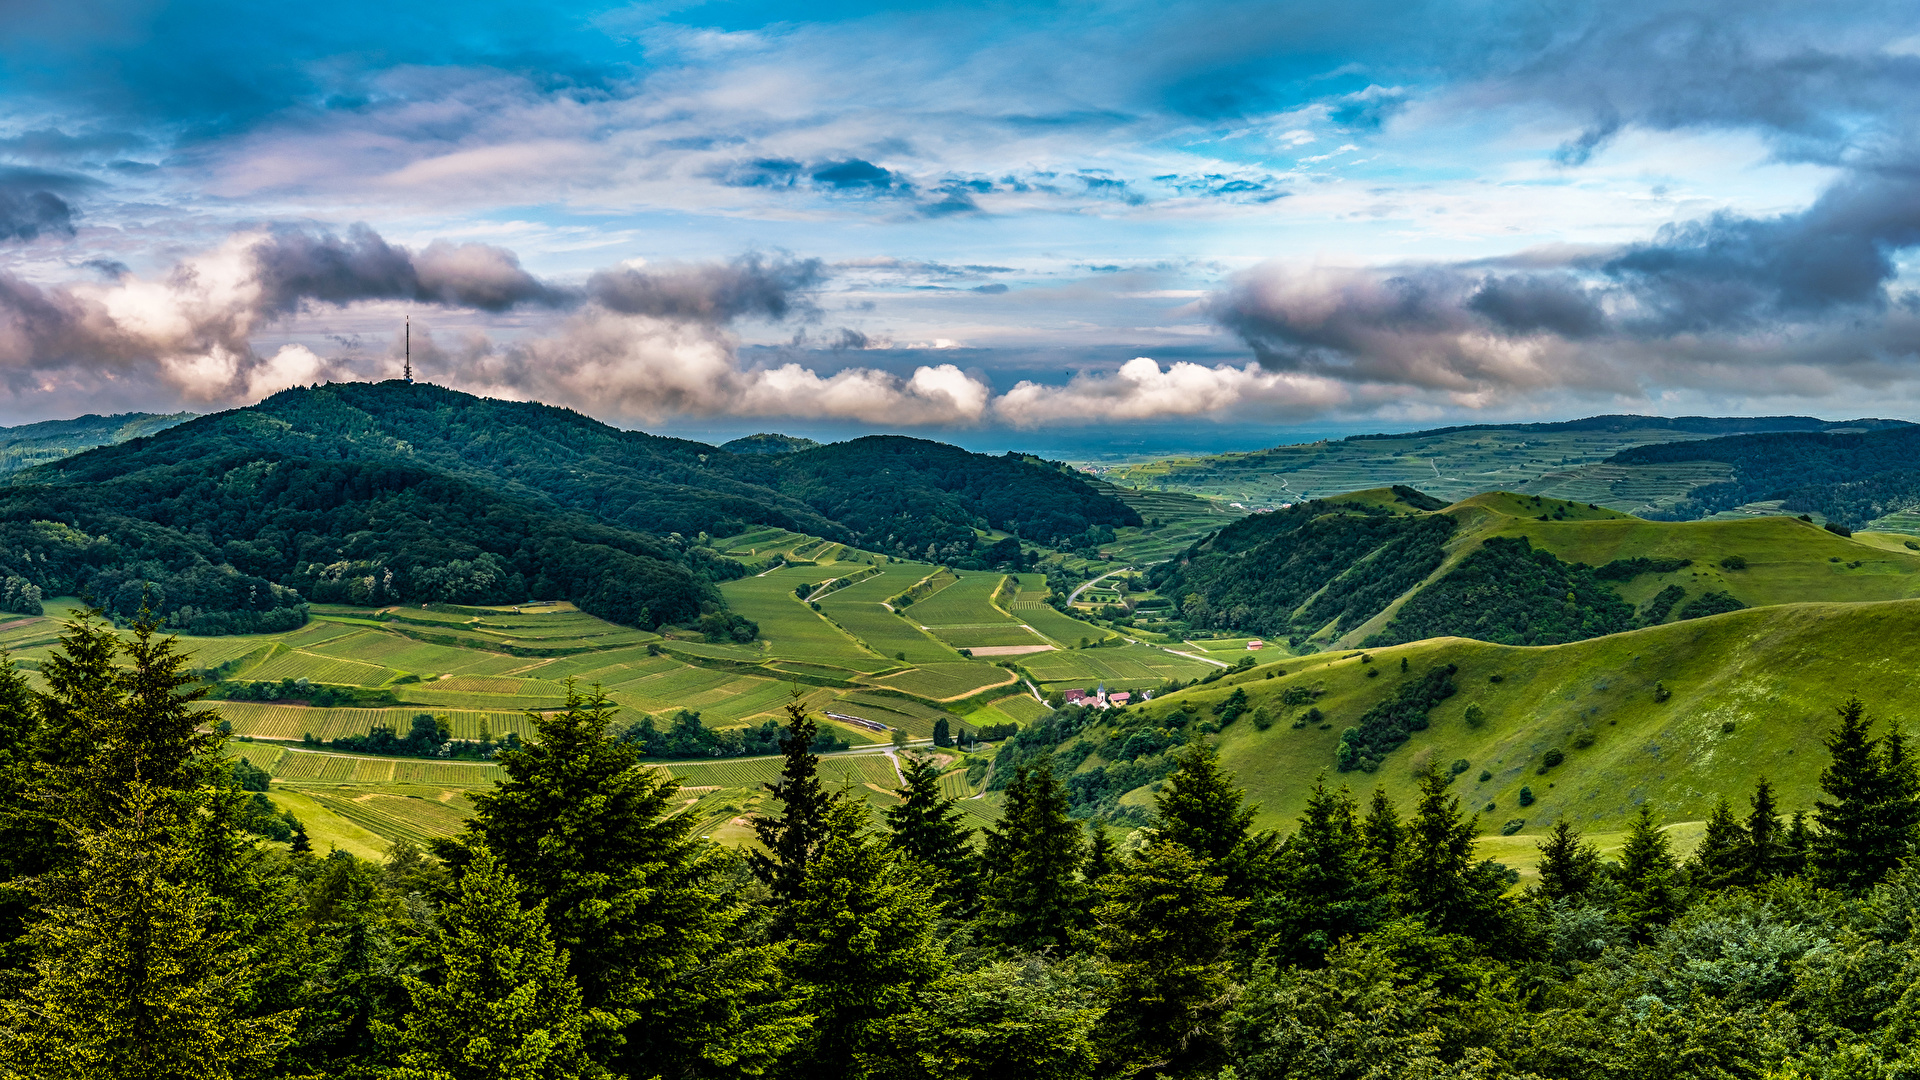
x=863, y=945
x=28, y=832
x=927, y=826
x=1434, y=873
x=1569, y=866
x=1323, y=890
x=507, y=1009
x=1103, y=858
x=133, y=978
x=1166, y=925
x=1380, y=834
x=1651, y=893
x=1765, y=851
x=791, y=839
x=1865, y=821
x=1797, y=857
x=1721, y=861
x=583, y=826
x=1032, y=897
x=1203, y=810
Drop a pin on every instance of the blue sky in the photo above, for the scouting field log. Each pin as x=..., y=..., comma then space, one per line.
x=1070, y=224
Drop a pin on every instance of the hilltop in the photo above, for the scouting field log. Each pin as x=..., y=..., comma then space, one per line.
x=398, y=492
x=1678, y=715
x=28, y=445
x=1855, y=478
x=1385, y=566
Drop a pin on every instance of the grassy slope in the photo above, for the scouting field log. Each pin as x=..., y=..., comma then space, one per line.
x=1774, y=674
x=1788, y=560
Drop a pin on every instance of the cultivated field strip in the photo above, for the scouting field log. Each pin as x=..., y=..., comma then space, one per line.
x=266, y=720
x=948, y=682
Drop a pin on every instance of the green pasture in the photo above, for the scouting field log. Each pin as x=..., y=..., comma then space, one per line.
x=1752, y=693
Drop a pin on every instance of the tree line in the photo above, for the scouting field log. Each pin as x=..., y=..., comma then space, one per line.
x=578, y=928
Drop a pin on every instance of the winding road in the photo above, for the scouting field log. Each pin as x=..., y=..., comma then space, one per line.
x=1085, y=585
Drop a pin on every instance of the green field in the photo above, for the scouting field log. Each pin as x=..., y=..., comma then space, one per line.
x=860, y=611
x=965, y=602
x=1752, y=693
x=1128, y=667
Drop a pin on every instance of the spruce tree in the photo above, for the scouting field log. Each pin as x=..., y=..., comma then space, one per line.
x=863, y=946
x=29, y=832
x=587, y=828
x=1203, y=810
x=1865, y=823
x=1200, y=808
x=790, y=840
x=1722, y=859
x=1434, y=874
x=1797, y=850
x=1032, y=897
x=506, y=1009
x=927, y=826
x=133, y=977
x=1323, y=890
x=1569, y=866
x=1103, y=858
x=1765, y=851
x=1651, y=893
x=1166, y=925
x=1380, y=834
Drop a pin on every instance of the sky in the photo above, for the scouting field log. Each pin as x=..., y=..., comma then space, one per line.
x=1089, y=227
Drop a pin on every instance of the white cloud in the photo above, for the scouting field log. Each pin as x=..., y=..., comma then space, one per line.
x=1142, y=390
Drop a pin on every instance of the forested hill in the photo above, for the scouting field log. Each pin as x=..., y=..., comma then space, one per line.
x=545, y=454
x=392, y=492
x=909, y=495
x=1851, y=478
x=1690, y=425
x=28, y=445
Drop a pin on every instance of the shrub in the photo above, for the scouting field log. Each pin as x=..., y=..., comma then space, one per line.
x=1486, y=775
x=1513, y=825
x=1660, y=692
x=1526, y=796
x=1726, y=728
x=1476, y=715
x=1837, y=529
x=1459, y=766
x=1734, y=562
x=1583, y=740
x=1551, y=759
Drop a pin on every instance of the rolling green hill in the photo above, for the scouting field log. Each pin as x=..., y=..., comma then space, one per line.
x=1378, y=567
x=1751, y=693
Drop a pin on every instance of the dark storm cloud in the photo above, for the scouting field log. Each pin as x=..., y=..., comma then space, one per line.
x=31, y=202
x=1726, y=291
x=298, y=266
x=750, y=286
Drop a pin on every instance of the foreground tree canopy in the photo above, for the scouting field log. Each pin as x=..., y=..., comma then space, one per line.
x=578, y=929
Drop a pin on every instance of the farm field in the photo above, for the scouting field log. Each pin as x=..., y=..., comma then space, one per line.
x=966, y=602
x=790, y=627
x=1128, y=667
x=945, y=682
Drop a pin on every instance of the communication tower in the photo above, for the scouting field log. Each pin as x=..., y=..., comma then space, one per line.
x=408, y=375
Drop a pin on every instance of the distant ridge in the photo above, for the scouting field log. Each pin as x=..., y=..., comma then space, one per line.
x=768, y=443
x=1692, y=425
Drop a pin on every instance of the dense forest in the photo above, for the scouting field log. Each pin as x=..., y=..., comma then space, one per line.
x=923, y=499
x=1510, y=593
x=392, y=492
x=1850, y=478
x=577, y=929
x=1259, y=573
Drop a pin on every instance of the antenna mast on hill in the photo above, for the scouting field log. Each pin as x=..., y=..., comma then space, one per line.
x=409, y=369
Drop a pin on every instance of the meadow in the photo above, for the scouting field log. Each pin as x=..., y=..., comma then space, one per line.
x=1746, y=694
